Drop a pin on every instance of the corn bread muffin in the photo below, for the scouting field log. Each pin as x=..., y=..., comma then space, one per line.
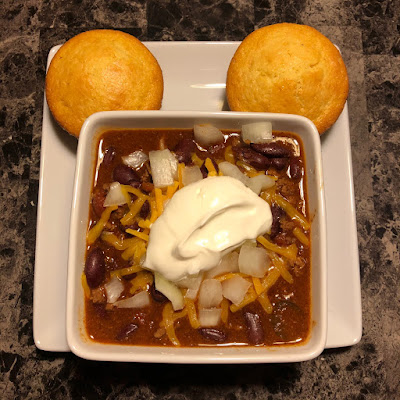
x=101, y=70
x=288, y=68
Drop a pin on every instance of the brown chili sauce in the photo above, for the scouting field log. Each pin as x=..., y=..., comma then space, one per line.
x=289, y=322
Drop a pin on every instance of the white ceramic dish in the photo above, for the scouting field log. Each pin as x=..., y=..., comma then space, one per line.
x=194, y=75
x=79, y=341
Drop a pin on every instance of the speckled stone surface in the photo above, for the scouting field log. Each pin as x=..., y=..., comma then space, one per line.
x=368, y=35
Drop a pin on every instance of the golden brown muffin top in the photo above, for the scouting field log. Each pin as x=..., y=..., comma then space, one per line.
x=288, y=68
x=101, y=70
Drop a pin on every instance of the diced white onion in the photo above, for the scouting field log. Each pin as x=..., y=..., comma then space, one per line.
x=171, y=291
x=253, y=261
x=257, y=132
x=256, y=184
x=209, y=317
x=234, y=289
x=135, y=159
x=259, y=183
x=114, y=288
x=206, y=135
x=114, y=197
x=228, y=263
x=191, y=175
x=190, y=282
x=210, y=294
x=164, y=167
x=139, y=300
x=233, y=171
x=192, y=293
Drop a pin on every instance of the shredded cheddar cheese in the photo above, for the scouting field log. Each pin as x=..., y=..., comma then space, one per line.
x=181, y=166
x=159, y=201
x=224, y=310
x=289, y=252
x=95, y=232
x=210, y=167
x=229, y=275
x=197, y=160
x=251, y=295
x=130, y=189
x=126, y=271
x=257, y=285
x=291, y=211
x=85, y=285
x=281, y=267
x=301, y=236
x=172, y=189
x=265, y=303
x=191, y=310
x=140, y=235
x=117, y=243
x=228, y=154
x=141, y=282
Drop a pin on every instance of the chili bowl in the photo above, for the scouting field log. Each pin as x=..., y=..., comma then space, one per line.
x=78, y=339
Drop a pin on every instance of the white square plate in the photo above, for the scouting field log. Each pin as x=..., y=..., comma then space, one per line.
x=194, y=79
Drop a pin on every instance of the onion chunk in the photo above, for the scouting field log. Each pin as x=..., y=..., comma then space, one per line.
x=209, y=317
x=234, y=289
x=228, y=263
x=233, y=171
x=135, y=159
x=191, y=175
x=253, y=261
x=114, y=197
x=259, y=183
x=164, y=167
x=207, y=135
x=257, y=132
x=210, y=294
x=113, y=288
x=139, y=300
x=169, y=290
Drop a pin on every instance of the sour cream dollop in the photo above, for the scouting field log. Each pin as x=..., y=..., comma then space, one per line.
x=202, y=222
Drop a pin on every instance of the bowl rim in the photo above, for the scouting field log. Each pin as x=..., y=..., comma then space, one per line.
x=198, y=355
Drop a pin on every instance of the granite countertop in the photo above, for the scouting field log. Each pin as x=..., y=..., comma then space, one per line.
x=368, y=35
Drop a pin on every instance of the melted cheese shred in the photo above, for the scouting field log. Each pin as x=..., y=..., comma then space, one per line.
x=96, y=231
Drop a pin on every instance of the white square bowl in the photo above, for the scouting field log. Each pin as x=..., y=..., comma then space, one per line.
x=77, y=337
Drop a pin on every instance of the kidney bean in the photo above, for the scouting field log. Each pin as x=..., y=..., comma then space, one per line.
x=95, y=267
x=296, y=168
x=212, y=334
x=184, y=149
x=277, y=214
x=156, y=295
x=272, y=149
x=279, y=163
x=255, y=330
x=145, y=210
x=126, y=332
x=109, y=155
x=251, y=157
x=125, y=175
x=98, y=198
